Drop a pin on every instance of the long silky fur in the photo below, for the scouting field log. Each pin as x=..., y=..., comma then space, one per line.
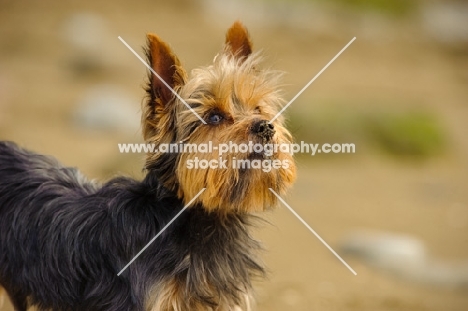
x=63, y=239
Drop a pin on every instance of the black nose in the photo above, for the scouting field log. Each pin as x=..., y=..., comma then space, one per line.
x=263, y=129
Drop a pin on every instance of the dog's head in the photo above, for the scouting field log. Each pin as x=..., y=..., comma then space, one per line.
x=215, y=132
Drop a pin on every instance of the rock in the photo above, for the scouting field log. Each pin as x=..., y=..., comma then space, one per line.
x=88, y=36
x=404, y=256
x=446, y=21
x=107, y=107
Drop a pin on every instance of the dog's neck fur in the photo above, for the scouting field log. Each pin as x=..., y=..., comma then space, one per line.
x=218, y=261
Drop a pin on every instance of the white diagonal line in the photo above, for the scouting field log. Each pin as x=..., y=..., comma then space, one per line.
x=311, y=81
x=159, y=77
x=313, y=231
x=160, y=232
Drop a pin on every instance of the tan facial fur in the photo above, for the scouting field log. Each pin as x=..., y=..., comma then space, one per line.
x=235, y=88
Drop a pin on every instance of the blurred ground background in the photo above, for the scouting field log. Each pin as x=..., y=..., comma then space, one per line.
x=69, y=88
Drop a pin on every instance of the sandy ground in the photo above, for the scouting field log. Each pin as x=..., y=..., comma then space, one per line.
x=39, y=90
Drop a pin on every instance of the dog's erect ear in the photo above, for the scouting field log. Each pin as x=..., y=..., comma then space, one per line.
x=164, y=62
x=237, y=41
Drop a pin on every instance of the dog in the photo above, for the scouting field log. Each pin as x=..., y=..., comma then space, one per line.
x=63, y=238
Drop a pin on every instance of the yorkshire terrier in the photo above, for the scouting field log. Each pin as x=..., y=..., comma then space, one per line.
x=64, y=239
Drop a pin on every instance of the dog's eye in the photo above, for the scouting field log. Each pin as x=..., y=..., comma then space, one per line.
x=257, y=110
x=215, y=118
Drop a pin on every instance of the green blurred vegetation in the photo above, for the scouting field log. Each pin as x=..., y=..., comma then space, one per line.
x=391, y=7
x=412, y=134
x=415, y=134
x=394, y=7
